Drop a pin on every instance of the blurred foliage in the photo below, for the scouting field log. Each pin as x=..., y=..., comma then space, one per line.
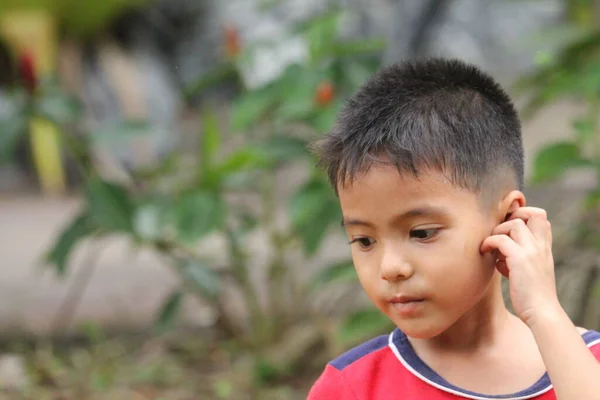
x=572, y=73
x=45, y=100
x=80, y=18
x=581, y=12
x=303, y=103
x=173, y=206
x=175, y=367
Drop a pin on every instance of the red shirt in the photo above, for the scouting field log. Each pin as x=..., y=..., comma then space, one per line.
x=388, y=368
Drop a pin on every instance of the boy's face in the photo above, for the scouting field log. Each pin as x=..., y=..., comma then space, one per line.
x=415, y=246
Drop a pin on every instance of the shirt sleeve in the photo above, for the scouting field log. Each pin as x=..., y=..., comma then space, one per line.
x=331, y=385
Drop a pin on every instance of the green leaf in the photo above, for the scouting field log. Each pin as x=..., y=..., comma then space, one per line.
x=148, y=222
x=58, y=108
x=198, y=213
x=121, y=132
x=340, y=272
x=296, y=109
x=358, y=47
x=312, y=211
x=324, y=120
x=110, y=205
x=308, y=201
x=80, y=227
x=553, y=160
x=299, y=106
x=167, y=316
x=313, y=235
x=244, y=159
x=321, y=32
x=201, y=276
x=241, y=181
x=328, y=18
x=83, y=20
x=211, y=140
x=364, y=324
x=584, y=129
x=249, y=108
x=303, y=83
x=357, y=73
x=282, y=148
x=265, y=373
x=163, y=167
x=222, y=73
x=574, y=72
x=11, y=130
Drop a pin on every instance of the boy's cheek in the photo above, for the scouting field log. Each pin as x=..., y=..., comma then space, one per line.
x=472, y=239
x=471, y=253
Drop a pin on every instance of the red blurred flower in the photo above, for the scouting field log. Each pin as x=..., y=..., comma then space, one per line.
x=233, y=45
x=324, y=93
x=27, y=73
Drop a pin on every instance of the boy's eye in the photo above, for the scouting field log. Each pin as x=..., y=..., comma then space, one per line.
x=423, y=233
x=363, y=242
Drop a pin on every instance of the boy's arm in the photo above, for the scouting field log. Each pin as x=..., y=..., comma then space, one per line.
x=525, y=243
x=330, y=386
x=573, y=369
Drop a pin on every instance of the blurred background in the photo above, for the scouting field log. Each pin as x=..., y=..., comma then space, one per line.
x=164, y=233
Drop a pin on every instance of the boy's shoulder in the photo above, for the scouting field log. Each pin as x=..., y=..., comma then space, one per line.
x=386, y=366
x=348, y=375
x=361, y=353
x=370, y=370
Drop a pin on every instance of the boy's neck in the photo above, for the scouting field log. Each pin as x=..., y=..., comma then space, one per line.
x=480, y=327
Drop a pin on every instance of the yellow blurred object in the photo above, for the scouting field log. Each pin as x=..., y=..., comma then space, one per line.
x=34, y=32
x=47, y=155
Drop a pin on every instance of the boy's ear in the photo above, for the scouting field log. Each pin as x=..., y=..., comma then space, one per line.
x=514, y=200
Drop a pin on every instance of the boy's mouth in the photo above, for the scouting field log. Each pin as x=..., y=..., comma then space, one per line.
x=406, y=305
x=403, y=299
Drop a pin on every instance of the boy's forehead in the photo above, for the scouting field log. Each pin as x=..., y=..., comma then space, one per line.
x=386, y=197
x=381, y=179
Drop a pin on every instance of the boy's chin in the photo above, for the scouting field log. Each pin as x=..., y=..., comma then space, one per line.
x=421, y=331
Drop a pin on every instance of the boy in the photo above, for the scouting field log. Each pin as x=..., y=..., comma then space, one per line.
x=427, y=161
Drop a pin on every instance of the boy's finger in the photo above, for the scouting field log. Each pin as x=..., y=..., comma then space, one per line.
x=502, y=267
x=525, y=213
x=541, y=229
x=502, y=243
x=516, y=229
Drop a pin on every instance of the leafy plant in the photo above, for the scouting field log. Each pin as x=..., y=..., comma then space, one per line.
x=302, y=103
x=574, y=72
x=334, y=70
x=174, y=205
x=294, y=109
x=21, y=103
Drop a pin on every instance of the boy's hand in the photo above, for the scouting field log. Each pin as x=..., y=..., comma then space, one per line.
x=524, y=248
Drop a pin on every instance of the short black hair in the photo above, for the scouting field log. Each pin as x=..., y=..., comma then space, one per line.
x=434, y=113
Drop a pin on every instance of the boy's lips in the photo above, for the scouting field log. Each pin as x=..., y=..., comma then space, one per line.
x=406, y=305
x=403, y=299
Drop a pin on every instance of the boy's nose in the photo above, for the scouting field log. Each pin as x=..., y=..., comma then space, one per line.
x=395, y=267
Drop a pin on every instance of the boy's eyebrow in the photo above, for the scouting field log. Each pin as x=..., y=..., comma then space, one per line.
x=355, y=222
x=416, y=212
